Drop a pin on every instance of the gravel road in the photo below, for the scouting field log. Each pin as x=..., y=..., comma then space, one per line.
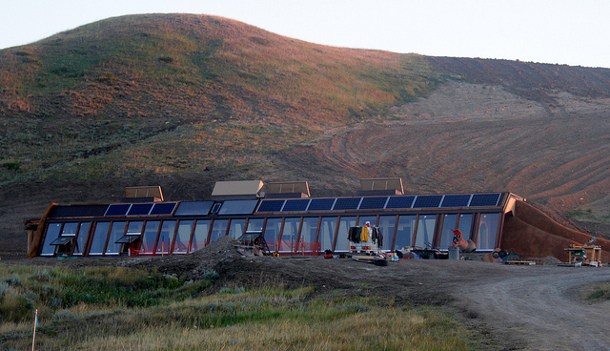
x=541, y=308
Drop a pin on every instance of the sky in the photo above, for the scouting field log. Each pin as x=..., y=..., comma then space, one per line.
x=572, y=32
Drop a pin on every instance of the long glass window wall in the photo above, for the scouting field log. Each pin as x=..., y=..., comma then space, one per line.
x=290, y=234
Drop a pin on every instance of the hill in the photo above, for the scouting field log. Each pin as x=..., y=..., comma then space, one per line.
x=186, y=100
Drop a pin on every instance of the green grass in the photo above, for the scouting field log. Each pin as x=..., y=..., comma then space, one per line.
x=111, y=308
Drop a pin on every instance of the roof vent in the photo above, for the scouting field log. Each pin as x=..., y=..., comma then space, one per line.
x=152, y=193
x=244, y=189
x=381, y=186
x=292, y=189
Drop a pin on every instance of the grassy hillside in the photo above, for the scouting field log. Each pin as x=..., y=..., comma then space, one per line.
x=186, y=100
x=121, y=82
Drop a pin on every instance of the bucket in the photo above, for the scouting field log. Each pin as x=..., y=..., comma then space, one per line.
x=454, y=253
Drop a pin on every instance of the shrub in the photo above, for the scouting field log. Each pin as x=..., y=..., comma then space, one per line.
x=3, y=289
x=211, y=275
x=13, y=280
x=41, y=275
x=12, y=166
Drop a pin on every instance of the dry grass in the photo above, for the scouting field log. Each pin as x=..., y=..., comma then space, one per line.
x=378, y=329
x=235, y=318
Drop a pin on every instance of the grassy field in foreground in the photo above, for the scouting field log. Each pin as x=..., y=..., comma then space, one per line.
x=110, y=308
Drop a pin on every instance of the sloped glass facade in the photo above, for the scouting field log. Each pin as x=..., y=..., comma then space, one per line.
x=290, y=226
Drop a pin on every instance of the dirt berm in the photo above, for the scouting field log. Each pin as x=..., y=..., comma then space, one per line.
x=518, y=307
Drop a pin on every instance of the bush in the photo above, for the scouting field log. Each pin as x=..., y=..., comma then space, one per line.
x=211, y=275
x=12, y=166
x=13, y=280
x=3, y=289
x=41, y=275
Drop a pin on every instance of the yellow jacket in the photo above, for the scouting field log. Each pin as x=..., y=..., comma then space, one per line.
x=364, y=235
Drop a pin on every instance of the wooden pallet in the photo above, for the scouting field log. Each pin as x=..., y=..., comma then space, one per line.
x=567, y=264
x=524, y=263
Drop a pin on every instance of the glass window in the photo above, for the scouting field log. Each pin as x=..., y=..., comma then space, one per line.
x=117, y=231
x=255, y=224
x=200, y=237
x=425, y=231
x=183, y=236
x=69, y=229
x=52, y=234
x=307, y=242
x=165, y=237
x=327, y=233
x=289, y=234
x=488, y=228
x=449, y=221
x=387, y=225
x=404, y=232
x=363, y=219
x=99, y=238
x=344, y=224
x=81, y=239
x=68, y=233
x=465, y=226
x=219, y=229
x=236, y=229
x=149, y=239
x=272, y=233
x=135, y=228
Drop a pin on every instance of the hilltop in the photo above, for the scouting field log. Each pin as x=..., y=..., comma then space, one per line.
x=185, y=100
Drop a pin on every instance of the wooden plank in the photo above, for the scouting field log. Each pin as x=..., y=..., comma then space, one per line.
x=526, y=263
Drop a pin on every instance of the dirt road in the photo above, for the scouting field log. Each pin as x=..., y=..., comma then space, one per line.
x=541, y=307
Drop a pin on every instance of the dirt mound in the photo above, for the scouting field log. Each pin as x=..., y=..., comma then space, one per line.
x=213, y=258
